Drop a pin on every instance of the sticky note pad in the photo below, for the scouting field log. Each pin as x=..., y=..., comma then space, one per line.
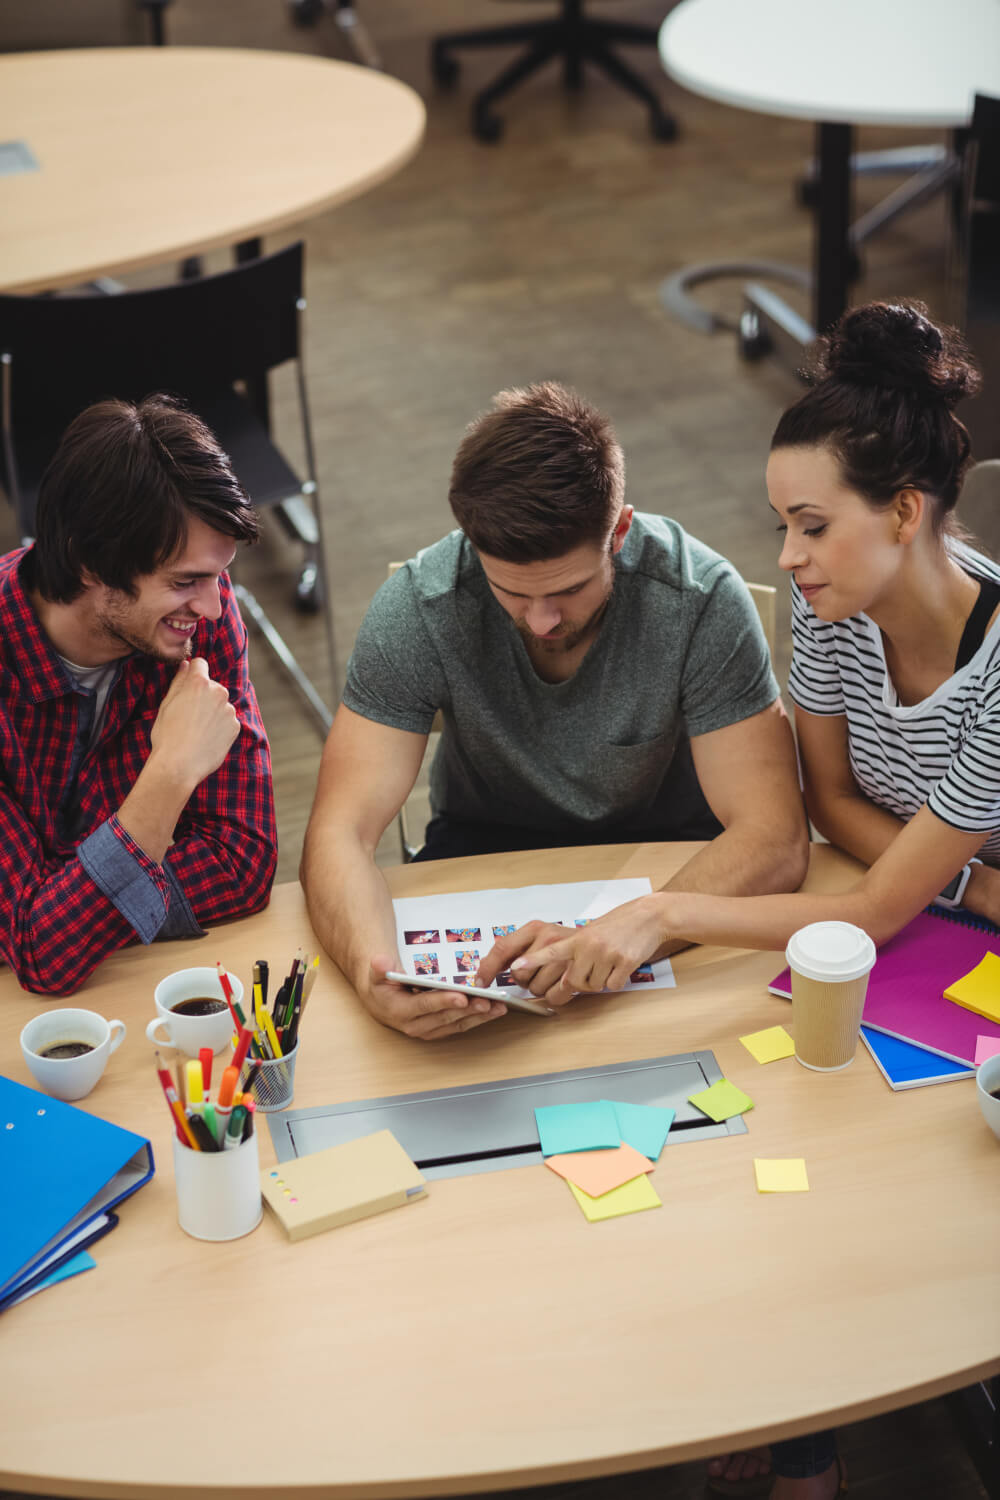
x=986, y=1046
x=979, y=990
x=770, y=1045
x=576, y=1127
x=643, y=1126
x=781, y=1174
x=721, y=1101
x=597, y=1172
x=631, y=1198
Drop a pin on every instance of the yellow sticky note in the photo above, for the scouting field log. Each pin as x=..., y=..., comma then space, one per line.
x=631, y=1198
x=979, y=990
x=779, y=1174
x=721, y=1101
x=767, y=1046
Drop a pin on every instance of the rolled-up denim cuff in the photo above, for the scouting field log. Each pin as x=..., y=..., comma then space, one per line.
x=803, y=1457
x=117, y=868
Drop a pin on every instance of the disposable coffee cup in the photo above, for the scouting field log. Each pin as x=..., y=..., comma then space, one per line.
x=66, y=1051
x=830, y=963
x=180, y=1022
x=218, y=1192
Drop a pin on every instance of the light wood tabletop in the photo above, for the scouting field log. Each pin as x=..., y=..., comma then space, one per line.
x=148, y=154
x=489, y=1336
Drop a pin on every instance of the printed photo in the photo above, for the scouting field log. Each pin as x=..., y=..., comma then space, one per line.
x=418, y=939
x=462, y=979
x=582, y=921
x=425, y=963
x=462, y=935
x=643, y=974
x=467, y=960
x=505, y=930
x=506, y=980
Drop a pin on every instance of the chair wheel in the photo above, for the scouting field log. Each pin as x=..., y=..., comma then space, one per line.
x=752, y=341
x=306, y=12
x=308, y=595
x=444, y=69
x=488, y=128
x=663, y=127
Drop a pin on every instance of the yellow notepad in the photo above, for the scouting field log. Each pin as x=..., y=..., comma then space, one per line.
x=979, y=990
x=341, y=1184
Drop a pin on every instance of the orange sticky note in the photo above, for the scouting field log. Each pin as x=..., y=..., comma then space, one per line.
x=597, y=1172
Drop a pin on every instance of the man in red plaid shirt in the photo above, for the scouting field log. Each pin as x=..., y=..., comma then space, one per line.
x=136, y=798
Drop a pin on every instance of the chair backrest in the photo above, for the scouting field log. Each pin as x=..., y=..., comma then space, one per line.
x=766, y=599
x=189, y=338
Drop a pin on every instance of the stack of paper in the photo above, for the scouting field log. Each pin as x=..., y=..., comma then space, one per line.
x=604, y=1150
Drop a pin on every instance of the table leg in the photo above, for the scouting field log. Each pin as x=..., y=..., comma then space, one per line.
x=832, y=250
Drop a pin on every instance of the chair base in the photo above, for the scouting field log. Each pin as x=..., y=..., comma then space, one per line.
x=575, y=40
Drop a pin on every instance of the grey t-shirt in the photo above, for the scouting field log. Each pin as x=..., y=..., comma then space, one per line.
x=680, y=652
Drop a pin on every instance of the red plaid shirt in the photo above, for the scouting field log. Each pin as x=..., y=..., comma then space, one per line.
x=73, y=885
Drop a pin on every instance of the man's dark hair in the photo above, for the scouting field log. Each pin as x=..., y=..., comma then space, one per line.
x=119, y=491
x=539, y=474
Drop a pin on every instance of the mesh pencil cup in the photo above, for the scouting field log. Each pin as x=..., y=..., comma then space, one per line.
x=273, y=1080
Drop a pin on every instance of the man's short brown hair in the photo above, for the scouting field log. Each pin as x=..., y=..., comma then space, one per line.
x=539, y=474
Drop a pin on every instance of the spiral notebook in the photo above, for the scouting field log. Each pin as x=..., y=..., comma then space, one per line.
x=913, y=970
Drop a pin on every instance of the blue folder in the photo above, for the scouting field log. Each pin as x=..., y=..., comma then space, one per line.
x=62, y=1168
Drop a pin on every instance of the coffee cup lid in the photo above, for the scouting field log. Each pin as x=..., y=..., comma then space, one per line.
x=836, y=951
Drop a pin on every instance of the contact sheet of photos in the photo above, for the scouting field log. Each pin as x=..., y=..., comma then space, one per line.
x=446, y=936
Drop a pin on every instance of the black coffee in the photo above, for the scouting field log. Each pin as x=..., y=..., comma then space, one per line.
x=202, y=1005
x=67, y=1049
x=994, y=1093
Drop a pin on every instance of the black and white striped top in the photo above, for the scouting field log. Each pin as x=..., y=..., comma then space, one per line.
x=944, y=751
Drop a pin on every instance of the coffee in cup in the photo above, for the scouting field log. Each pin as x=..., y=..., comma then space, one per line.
x=191, y=1011
x=830, y=963
x=66, y=1051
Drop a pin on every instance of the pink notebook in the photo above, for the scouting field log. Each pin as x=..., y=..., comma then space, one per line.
x=911, y=973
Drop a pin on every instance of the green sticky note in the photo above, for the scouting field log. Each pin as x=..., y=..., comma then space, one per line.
x=721, y=1101
x=781, y=1174
x=643, y=1126
x=770, y=1045
x=576, y=1127
x=631, y=1198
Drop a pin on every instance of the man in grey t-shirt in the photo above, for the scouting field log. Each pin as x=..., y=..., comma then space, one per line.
x=602, y=677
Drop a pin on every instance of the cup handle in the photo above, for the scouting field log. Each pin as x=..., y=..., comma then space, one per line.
x=151, y=1031
x=118, y=1036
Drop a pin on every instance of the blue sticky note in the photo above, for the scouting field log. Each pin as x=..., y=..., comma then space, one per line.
x=576, y=1127
x=644, y=1126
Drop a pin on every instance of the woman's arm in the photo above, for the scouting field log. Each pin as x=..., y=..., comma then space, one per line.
x=837, y=807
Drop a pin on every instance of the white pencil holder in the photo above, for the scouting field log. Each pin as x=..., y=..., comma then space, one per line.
x=218, y=1192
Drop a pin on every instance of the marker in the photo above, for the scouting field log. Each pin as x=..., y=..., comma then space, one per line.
x=205, y=1058
x=242, y=1047
x=234, y=1131
x=225, y=1100
x=195, y=1091
x=204, y=1140
x=211, y=1123
x=249, y=1106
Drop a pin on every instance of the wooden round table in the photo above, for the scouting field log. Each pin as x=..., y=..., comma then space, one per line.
x=489, y=1337
x=148, y=154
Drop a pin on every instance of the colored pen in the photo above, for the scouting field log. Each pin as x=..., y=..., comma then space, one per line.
x=224, y=1102
x=204, y=1140
x=234, y=1131
x=195, y=1091
x=263, y=969
x=205, y=1058
x=270, y=1033
x=167, y=1084
x=227, y=991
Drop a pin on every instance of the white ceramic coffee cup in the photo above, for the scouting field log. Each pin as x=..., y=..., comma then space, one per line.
x=987, y=1086
x=190, y=1033
x=830, y=964
x=69, y=1077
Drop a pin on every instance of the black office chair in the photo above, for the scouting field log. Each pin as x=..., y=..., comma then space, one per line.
x=978, y=267
x=197, y=340
x=575, y=39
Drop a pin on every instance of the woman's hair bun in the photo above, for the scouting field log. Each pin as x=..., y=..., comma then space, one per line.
x=895, y=345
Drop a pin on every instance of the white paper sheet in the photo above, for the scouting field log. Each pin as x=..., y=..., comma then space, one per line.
x=446, y=935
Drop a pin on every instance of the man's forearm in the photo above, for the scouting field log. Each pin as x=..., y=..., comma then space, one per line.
x=150, y=812
x=746, y=860
x=349, y=903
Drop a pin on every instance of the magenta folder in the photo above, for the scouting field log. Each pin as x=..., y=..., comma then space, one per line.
x=911, y=973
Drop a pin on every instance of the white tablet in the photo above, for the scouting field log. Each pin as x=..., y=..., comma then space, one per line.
x=419, y=982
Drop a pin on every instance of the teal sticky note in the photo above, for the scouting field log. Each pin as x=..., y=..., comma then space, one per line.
x=644, y=1126
x=82, y=1261
x=576, y=1127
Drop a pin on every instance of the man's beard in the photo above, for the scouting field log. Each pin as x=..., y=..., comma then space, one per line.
x=570, y=636
x=118, y=632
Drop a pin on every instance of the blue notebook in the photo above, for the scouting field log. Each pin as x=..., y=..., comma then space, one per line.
x=62, y=1168
x=904, y=1066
